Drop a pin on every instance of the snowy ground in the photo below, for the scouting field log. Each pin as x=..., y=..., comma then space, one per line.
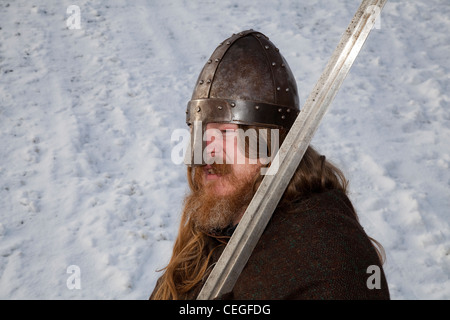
x=86, y=116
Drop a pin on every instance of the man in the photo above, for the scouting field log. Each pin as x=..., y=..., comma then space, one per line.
x=313, y=247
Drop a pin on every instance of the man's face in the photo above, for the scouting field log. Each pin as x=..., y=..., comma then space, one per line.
x=224, y=189
x=225, y=147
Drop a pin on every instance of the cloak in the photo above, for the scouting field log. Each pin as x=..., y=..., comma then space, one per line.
x=315, y=248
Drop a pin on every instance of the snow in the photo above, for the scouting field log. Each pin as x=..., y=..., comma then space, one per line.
x=86, y=118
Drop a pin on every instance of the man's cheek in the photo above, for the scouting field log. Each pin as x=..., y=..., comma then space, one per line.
x=234, y=151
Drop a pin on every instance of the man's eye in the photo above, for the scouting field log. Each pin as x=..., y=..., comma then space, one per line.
x=227, y=132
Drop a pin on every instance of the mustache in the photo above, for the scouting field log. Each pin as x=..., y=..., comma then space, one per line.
x=222, y=169
x=225, y=170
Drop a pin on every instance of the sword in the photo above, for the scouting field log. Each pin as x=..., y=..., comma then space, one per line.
x=244, y=239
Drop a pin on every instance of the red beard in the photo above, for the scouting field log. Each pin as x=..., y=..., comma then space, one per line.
x=211, y=213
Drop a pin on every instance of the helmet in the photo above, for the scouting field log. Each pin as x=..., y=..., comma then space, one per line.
x=246, y=81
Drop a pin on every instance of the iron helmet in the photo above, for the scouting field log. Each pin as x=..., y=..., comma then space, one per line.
x=245, y=81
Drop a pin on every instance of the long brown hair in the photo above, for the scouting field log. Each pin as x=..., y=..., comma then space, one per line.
x=193, y=249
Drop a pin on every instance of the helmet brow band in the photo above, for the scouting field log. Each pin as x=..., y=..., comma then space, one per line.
x=240, y=112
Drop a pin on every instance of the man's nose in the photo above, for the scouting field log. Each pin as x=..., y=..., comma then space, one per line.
x=214, y=143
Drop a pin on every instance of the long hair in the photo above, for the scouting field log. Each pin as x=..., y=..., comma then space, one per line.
x=193, y=249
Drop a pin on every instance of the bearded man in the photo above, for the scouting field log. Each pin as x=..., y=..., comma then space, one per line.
x=313, y=247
